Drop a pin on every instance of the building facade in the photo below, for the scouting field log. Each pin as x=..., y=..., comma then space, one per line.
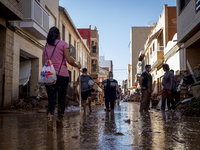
x=188, y=32
x=79, y=51
x=163, y=32
x=106, y=64
x=91, y=38
x=13, y=10
x=27, y=37
x=138, y=37
x=103, y=74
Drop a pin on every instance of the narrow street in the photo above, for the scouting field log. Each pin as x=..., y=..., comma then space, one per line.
x=27, y=130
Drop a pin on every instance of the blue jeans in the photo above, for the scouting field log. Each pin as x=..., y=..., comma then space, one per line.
x=59, y=88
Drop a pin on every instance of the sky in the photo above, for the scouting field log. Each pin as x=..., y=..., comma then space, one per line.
x=114, y=19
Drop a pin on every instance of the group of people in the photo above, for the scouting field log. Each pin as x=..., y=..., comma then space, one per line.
x=111, y=89
x=168, y=84
x=58, y=52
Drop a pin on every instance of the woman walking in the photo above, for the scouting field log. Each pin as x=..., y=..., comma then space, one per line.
x=58, y=52
x=110, y=85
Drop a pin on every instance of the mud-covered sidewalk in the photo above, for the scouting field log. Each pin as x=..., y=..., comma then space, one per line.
x=27, y=130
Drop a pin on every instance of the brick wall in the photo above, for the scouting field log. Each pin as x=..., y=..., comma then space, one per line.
x=2, y=60
x=8, y=67
x=32, y=51
x=14, y=6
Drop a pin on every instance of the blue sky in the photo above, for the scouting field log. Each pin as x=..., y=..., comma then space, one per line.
x=114, y=19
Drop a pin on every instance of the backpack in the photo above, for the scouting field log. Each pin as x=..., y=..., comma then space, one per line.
x=48, y=73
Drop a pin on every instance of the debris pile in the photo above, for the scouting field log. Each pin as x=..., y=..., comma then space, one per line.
x=154, y=100
x=72, y=99
x=189, y=93
x=136, y=97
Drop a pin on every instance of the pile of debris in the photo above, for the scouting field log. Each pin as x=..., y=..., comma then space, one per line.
x=41, y=100
x=136, y=97
x=31, y=103
x=189, y=93
x=154, y=100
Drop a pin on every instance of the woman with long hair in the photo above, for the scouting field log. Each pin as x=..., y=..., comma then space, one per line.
x=58, y=52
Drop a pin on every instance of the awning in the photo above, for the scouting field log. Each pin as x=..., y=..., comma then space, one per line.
x=154, y=36
x=25, y=72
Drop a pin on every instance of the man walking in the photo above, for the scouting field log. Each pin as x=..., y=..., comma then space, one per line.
x=146, y=87
x=167, y=82
x=85, y=89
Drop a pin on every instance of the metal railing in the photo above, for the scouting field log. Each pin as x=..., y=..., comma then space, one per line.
x=94, y=51
x=94, y=68
x=33, y=11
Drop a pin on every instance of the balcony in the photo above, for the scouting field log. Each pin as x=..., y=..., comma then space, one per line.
x=94, y=54
x=156, y=57
x=35, y=19
x=94, y=71
x=72, y=52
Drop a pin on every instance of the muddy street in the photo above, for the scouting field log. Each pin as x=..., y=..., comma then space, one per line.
x=125, y=129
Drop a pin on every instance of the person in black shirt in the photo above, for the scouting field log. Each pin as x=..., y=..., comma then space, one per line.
x=110, y=91
x=146, y=86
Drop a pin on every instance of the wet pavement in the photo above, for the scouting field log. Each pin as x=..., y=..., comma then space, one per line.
x=27, y=130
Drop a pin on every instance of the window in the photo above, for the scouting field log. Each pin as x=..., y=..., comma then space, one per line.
x=182, y=4
x=92, y=42
x=63, y=32
x=74, y=75
x=70, y=75
x=70, y=39
x=150, y=50
x=197, y=5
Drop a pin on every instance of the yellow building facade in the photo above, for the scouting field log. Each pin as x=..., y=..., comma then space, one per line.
x=78, y=49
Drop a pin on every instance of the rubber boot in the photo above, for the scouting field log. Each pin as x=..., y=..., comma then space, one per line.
x=90, y=108
x=84, y=106
x=50, y=118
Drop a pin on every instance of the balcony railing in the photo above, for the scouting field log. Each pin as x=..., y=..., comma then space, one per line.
x=94, y=51
x=72, y=52
x=35, y=19
x=94, y=69
x=157, y=58
x=159, y=48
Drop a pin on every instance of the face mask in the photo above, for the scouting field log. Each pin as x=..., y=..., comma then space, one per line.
x=149, y=69
x=110, y=78
x=84, y=74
